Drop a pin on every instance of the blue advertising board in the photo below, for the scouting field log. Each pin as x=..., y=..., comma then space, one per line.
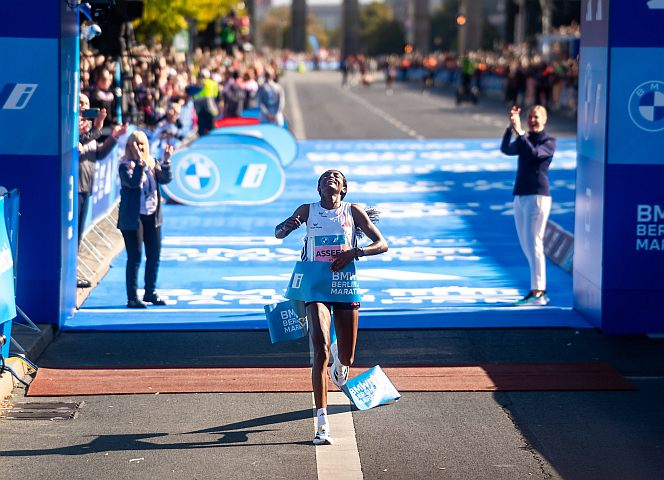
x=28, y=96
x=619, y=225
x=236, y=174
x=281, y=139
x=38, y=97
x=7, y=300
x=639, y=23
x=595, y=21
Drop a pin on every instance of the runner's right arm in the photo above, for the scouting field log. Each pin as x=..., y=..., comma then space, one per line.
x=293, y=222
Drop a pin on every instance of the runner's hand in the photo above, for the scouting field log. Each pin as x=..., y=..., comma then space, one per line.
x=344, y=258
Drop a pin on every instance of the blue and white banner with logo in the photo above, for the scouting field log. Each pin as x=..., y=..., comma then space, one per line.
x=286, y=320
x=316, y=282
x=280, y=138
x=371, y=389
x=244, y=173
x=7, y=300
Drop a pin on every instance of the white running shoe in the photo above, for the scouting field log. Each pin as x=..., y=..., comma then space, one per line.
x=532, y=299
x=338, y=372
x=322, y=436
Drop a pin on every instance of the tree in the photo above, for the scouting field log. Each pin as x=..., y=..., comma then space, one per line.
x=444, y=27
x=274, y=29
x=380, y=33
x=162, y=19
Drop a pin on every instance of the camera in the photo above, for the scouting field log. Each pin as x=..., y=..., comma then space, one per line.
x=100, y=10
x=90, y=113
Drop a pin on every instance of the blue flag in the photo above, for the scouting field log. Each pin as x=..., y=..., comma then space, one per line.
x=286, y=320
x=371, y=389
x=316, y=282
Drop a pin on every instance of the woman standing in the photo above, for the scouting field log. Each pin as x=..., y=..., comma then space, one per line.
x=140, y=214
x=532, y=198
x=336, y=221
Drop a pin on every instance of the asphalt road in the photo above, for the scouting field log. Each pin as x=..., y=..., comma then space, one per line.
x=450, y=435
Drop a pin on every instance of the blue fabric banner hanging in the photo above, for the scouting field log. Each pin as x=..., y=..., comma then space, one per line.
x=286, y=320
x=316, y=282
x=7, y=300
x=371, y=389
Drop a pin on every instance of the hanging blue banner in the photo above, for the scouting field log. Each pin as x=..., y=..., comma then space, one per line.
x=7, y=300
x=286, y=320
x=316, y=282
x=371, y=389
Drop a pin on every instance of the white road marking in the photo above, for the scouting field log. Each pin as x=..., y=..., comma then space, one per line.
x=341, y=460
x=383, y=114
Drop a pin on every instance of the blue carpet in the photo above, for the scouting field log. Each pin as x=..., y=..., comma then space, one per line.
x=454, y=259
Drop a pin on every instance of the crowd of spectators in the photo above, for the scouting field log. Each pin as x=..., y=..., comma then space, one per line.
x=160, y=90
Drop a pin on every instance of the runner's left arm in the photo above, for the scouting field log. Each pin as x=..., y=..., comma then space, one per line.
x=364, y=223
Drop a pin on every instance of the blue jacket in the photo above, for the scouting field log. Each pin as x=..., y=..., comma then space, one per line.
x=130, y=194
x=535, y=151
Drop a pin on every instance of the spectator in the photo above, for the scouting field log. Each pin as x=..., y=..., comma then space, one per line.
x=102, y=97
x=206, y=102
x=271, y=100
x=532, y=198
x=233, y=96
x=140, y=217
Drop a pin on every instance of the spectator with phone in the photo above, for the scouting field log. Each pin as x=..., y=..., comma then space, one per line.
x=140, y=216
x=90, y=151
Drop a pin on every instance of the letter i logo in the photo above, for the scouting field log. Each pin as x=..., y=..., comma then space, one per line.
x=16, y=96
x=297, y=280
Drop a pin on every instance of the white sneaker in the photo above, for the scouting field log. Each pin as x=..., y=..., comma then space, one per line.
x=338, y=372
x=322, y=436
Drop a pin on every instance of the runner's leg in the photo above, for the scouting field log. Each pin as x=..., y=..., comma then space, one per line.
x=345, y=324
x=319, y=330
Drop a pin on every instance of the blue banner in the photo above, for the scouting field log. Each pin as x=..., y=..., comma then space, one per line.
x=280, y=138
x=7, y=300
x=316, y=282
x=371, y=389
x=286, y=320
x=236, y=174
x=28, y=96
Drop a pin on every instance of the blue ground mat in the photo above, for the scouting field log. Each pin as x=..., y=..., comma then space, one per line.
x=446, y=211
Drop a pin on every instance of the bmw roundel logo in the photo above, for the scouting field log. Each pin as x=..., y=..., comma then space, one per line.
x=646, y=106
x=197, y=175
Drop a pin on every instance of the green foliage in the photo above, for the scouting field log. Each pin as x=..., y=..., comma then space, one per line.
x=164, y=18
x=380, y=33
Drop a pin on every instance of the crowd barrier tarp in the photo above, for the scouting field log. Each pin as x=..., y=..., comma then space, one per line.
x=281, y=139
x=7, y=299
x=242, y=173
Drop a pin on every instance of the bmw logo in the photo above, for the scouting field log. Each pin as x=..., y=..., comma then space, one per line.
x=197, y=175
x=646, y=106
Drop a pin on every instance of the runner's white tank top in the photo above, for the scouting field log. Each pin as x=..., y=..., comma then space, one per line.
x=329, y=232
